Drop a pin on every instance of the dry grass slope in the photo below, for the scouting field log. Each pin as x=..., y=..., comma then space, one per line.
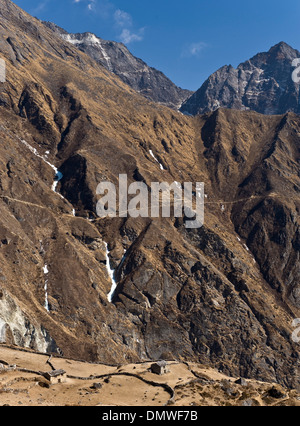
x=185, y=384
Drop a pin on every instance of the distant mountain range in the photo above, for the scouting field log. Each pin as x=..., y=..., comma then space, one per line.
x=263, y=84
x=147, y=81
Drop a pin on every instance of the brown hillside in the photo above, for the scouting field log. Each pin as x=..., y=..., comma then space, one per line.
x=225, y=294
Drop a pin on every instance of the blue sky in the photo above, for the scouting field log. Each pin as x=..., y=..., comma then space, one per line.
x=187, y=40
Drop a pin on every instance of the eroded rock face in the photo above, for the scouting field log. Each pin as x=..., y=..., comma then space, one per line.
x=16, y=328
x=263, y=84
x=225, y=294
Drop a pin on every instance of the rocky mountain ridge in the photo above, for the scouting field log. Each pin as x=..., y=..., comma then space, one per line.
x=116, y=58
x=263, y=84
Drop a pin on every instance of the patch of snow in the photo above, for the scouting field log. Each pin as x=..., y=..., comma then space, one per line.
x=216, y=303
x=216, y=104
x=91, y=40
x=160, y=165
x=187, y=114
x=105, y=56
x=35, y=152
x=46, y=272
x=70, y=39
x=262, y=80
x=111, y=273
x=58, y=175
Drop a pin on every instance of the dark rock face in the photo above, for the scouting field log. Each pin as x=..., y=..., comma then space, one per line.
x=263, y=84
x=116, y=58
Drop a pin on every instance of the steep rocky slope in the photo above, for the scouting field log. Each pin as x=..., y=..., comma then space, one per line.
x=225, y=294
x=263, y=83
x=116, y=58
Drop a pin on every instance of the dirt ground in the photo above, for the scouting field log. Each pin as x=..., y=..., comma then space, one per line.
x=22, y=384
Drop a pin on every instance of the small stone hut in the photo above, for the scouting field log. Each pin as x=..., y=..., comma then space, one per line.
x=160, y=367
x=56, y=376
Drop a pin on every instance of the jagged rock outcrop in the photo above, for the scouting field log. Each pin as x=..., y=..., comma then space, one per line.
x=263, y=83
x=16, y=328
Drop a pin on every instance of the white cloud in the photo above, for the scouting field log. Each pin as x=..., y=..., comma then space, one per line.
x=122, y=18
x=91, y=4
x=124, y=23
x=128, y=37
x=40, y=7
x=193, y=49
